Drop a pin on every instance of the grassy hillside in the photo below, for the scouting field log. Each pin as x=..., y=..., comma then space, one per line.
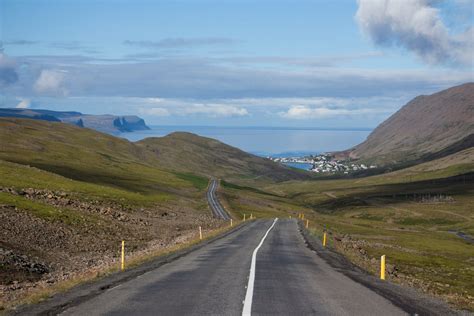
x=153, y=165
x=85, y=155
x=206, y=156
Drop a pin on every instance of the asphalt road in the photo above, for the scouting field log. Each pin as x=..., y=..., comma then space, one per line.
x=290, y=279
x=214, y=203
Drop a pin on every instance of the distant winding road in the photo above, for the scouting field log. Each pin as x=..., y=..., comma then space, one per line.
x=214, y=203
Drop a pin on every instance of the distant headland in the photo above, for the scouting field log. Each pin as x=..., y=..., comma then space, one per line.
x=111, y=124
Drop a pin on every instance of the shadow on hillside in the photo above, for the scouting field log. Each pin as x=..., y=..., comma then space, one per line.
x=443, y=190
x=115, y=180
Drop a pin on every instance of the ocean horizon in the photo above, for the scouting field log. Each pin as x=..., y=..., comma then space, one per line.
x=267, y=141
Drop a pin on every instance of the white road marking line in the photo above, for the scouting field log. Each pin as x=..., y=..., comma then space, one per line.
x=115, y=287
x=247, y=311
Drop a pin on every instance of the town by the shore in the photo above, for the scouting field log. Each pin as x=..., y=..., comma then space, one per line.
x=324, y=163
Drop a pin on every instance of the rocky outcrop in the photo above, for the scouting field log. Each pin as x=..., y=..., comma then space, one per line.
x=18, y=267
x=80, y=123
x=110, y=124
x=129, y=123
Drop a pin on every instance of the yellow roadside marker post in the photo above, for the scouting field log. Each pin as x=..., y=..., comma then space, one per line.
x=251, y=216
x=122, y=266
x=244, y=217
x=382, y=267
x=307, y=223
x=200, y=233
x=302, y=216
x=231, y=223
x=324, y=239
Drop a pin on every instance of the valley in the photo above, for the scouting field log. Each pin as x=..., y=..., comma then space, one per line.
x=69, y=196
x=244, y=158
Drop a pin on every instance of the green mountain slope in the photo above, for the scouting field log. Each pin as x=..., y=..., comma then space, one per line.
x=83, y=154
x=153, y=164
x=206, y=156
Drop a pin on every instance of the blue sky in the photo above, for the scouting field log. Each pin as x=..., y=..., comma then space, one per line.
x=266, y=63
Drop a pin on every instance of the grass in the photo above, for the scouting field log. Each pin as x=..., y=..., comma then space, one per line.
x=20, y=177
x=87, y=156
x=428, y=221
x=244, y=200
x=46, y=211
x=186, y=152
x=198, y=182
x=230, y=185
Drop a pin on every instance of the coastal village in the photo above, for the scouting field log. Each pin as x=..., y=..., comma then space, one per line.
x=325, y=163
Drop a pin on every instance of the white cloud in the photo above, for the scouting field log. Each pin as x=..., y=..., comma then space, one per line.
x=301, y=112
x=417, y=26
x=154, y=111
x=155, y=100
x=24, y=104
x=178, y=42
x=184, y=107
x=204, y=79
x=214, y=110
x=50, y=81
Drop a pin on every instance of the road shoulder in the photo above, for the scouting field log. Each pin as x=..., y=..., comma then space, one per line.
x=81, y=293
x=408, y=299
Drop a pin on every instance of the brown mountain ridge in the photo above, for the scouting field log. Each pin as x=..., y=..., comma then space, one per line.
x=424, y=127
